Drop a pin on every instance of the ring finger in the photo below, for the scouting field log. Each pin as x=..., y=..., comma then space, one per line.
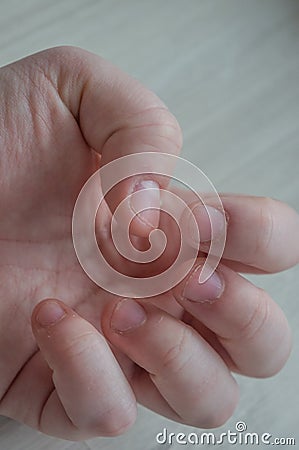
x=179, y=373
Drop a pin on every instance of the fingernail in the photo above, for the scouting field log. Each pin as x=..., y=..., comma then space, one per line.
x=208, y=219
x=49, y=313
x=208, y=291
x=147, y=198
x=127, y=316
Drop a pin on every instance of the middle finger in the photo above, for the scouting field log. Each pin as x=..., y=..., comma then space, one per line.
x=246, y=321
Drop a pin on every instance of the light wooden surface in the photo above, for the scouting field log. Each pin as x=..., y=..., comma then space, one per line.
x=229, y=71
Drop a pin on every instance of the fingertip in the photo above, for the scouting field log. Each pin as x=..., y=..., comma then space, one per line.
x=144, y=203
x=127, y=316
x=92, y=394
x=48, y=313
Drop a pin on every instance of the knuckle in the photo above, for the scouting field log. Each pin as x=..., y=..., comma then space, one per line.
x=259, y=316
x=80, y=344
x=113, y=422
x=164, y=124
x=274, y=363
x=178, y=355
x=168, y=123
x=216, y=416
x=265, y=225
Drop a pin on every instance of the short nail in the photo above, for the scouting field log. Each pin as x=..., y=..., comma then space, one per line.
x=208, y=291
x=49, y=313
x=208, y=219
x=147, y=198
x=127, y=316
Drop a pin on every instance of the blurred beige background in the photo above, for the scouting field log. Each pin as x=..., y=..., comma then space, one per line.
x=229, y=71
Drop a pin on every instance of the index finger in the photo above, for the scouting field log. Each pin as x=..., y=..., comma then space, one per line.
x=262, y=232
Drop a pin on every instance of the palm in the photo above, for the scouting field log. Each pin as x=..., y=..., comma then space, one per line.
x=37, y=254
x=36, y=243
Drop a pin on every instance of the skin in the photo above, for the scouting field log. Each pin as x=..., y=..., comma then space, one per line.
x=63, y=112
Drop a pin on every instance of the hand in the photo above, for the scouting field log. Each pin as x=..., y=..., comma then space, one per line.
x=63, y=113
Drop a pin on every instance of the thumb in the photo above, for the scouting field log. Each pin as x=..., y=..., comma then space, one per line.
x=117, y=116
x=91, y=396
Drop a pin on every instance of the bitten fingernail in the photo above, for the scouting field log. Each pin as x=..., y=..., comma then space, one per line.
x=49, y=313
x=127, y=316
x=146, y=199
x=208, y=219
x=208, y=291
